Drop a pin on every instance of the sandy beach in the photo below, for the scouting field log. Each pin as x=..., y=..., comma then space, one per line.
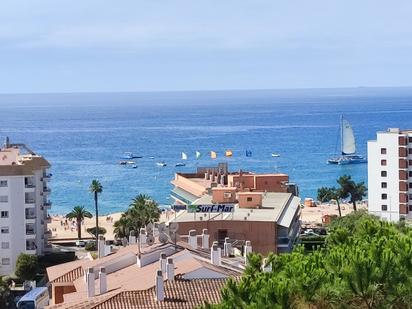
x=63, y=228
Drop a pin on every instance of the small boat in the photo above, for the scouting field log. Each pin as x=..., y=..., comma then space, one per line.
x=275, y=155
x=161, y=164
x=134, y=166
x=130, y=155
x=151, y=157
x=131, y=162
x=348, y=146
x=123, y=162
x=180, y=164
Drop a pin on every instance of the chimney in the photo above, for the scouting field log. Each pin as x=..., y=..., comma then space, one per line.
x=107, y=248
x=227, y=248
x=132, y=238
x=248, y=248
x=205, y=239
x=215, y=254
x=142, y=237
x=103, y=280
x=162, y=262
x=170, y=271
x=90, y=282
x=222, y=180
x=192, y=239
x=160, y=289
x=206, y=176
x=100, y=246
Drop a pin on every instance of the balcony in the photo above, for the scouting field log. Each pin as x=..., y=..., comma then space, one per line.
x=30, y=202
x=30, y=232
x=46, y=190
x=46, y=176
x=47, y=204
x=31, y=247
x=47, y=219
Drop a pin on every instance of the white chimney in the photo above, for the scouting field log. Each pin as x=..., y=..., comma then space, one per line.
x=205, y=239
x=192, y=239
x=227, y=247
x=103, y=280
x=132, y=238
x=90, y=282
x=247, y=249
x=162, y=262
x=107, y=248
x=215, y=254
x=100, y=246
x=160, y=289
x=170, y=270
x=142, y=237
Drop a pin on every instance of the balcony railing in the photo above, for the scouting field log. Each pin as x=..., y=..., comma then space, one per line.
x=29, y=185
x=31, y=246
x=47, y=204
x=46, y=190
x=30, y=232
x=30, y=216
x=30, y=201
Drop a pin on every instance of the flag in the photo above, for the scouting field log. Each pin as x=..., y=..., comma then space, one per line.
x=184, y=156
x=213, y=155
x=228, y=153
x=197, y=154
x=248, y=153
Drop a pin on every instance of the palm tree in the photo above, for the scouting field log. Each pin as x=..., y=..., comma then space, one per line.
x=122, y=227
x=79, y=213
x=328, y=194
x=356, y=191
x=96, y=188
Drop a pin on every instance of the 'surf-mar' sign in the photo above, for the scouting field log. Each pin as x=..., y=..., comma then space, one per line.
x=211, y=208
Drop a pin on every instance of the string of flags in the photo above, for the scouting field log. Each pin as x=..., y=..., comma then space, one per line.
x=213, y=154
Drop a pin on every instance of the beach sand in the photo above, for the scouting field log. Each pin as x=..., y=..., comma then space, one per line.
x=62, y=231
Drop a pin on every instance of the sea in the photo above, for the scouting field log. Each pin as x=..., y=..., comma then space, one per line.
x=84, y=135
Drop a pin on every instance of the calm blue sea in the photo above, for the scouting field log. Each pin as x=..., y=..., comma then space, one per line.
x=84, y=135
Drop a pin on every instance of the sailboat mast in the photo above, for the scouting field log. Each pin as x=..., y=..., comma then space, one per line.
x=341, y=134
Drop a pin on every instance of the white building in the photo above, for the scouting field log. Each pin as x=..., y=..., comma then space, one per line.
x=23, y=204
x=389, y=158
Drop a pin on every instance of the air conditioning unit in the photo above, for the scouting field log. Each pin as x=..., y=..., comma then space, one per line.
x=227, y=195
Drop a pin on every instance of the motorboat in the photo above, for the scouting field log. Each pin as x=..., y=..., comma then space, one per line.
x=123, y=162
x=161, y=164
x=180, y=164
x=275, y=155
x=130, y=155
x=348, y=146
x=134, y=166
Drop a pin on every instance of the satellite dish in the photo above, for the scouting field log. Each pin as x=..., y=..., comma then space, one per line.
x=163, y=238
x=162, y=228
x=173, y=226
x=149, y=228
x=175, y=237
x=150, y=240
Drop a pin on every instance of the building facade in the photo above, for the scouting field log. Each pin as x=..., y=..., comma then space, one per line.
x=389, y=171
x=24, y=203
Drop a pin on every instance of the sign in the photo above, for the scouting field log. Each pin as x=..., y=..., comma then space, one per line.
x=211, y=208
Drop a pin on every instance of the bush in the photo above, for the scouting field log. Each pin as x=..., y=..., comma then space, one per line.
x=26, y=266
x=90, y=246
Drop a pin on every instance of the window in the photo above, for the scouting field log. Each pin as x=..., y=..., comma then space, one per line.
x=384, y=173
x=383, y=162
x=410, y=207
x=3, y=183
x=249, y=199
x=384, y=196
x=4, y=214
x=410, y=151
x=5, y=261
x=410, y=185
x=5, y=245
x=384, y=207
x=410, y=162
x=383, y=150
x=227, y=195
x=4, y=230
x=410, y=139
x=384, y=185
x=4, y=199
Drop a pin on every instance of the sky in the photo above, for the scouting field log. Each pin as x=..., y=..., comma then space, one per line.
x=160, y=45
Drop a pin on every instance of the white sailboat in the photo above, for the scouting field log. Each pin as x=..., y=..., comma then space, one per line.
x=184, y=156
x=348, y=146
x=197, y=155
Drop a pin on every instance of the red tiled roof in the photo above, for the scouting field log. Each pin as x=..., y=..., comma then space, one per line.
x=70, y=276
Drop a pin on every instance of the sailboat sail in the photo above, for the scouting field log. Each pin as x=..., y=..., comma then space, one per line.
x=197, y=154
x=184, y=156
x=348, y=139
x=213, y=155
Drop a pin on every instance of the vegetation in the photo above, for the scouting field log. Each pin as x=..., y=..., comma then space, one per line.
x=366, y=263
x=90, y=246
x=96, y=188
x=92, y=231
x=347, y=189
x=5, y=296
x=26, y=266
x=79, y=213
x=142, y=211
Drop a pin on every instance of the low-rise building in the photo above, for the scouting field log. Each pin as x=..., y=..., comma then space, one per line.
x=24, y=203
x=262, y=208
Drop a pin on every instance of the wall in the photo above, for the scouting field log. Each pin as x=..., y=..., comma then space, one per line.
x=271, y=183
x=261, y=234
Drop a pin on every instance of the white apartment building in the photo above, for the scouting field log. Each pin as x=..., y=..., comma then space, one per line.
x=23, y=204
x=389, y=168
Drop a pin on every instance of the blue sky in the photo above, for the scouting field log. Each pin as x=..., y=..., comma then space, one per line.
x=132, y=45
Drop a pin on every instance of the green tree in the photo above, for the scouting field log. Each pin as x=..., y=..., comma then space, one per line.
x=92, y=231
x=79, y=213
x=26, y=266
x=122, y=227
x=329, y=194
x=356, y=191
x=5, y=295
x=96, y=188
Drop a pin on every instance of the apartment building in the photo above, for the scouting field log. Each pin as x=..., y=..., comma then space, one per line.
x=389, y=171
x=24, y=203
